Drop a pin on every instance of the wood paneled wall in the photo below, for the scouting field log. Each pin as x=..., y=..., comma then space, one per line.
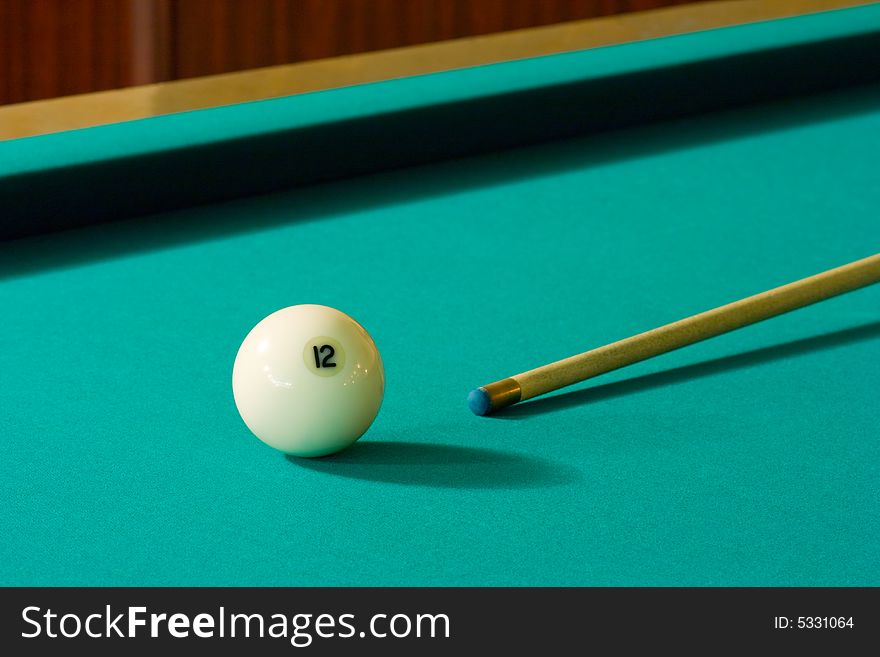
x=57, y=47
x=265, y=32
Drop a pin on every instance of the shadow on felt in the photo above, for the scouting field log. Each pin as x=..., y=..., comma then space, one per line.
x=222, y=219
x=440, y=466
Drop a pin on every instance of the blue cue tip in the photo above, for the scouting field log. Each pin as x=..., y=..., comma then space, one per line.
x=478, y=401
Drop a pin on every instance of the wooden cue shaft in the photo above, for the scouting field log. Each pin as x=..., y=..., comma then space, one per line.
x=682, y=333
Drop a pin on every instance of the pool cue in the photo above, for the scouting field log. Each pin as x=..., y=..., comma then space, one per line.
x=500, y=394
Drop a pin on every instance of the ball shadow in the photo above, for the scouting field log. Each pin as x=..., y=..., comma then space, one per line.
x=440, y=466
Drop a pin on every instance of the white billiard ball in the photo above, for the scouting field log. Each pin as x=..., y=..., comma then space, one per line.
x=308, y=380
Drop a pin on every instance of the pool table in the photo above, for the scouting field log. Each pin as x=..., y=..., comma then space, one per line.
x=478, y=222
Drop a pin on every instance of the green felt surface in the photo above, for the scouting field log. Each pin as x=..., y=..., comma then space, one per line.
x=751, y=459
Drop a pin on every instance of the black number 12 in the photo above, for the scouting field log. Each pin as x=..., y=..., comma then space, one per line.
x=326, y=362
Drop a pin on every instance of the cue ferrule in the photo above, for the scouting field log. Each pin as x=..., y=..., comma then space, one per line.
x=501, y=394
